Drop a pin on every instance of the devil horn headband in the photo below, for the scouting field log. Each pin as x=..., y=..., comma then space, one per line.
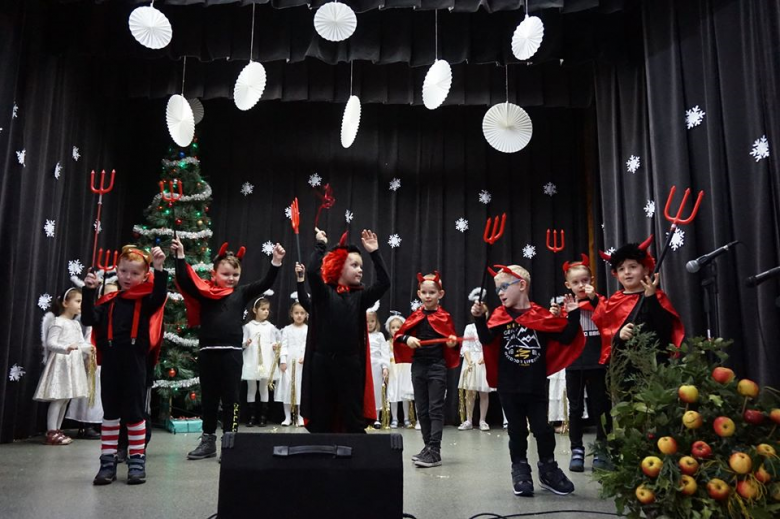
x=584, y=262
x=505, y=270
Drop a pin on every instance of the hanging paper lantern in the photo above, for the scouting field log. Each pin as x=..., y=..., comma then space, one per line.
x=335, y=21
x=172, y=372
x=150, y=27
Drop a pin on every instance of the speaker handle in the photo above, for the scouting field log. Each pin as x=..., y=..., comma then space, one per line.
x=337, y=451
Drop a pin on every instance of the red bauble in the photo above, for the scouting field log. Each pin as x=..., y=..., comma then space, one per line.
x=206, y=209
x=178, y=221
x=136, y=235
x=172, y=372
x=193, y=396
x=178, y=329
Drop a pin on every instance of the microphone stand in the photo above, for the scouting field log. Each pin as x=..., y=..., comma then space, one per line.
x=709, y=282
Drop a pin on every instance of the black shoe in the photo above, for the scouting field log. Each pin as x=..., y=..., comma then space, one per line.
x=419, y=454
x=601, y=462
x=136, y=469
x=429, y=458
x=107, y=473
x=206, y=449
x=553, y=479
x=252, y=420
x=263, y=413
x=577, y=463
x=522, y=483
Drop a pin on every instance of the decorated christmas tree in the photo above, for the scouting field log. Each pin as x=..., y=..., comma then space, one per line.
x=181, y=205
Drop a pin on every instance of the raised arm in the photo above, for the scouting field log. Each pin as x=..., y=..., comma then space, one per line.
x=256, y=289
x=314, y=269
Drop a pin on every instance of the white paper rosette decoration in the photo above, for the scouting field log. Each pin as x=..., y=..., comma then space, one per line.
x=150, y=27
x=249, y=86
x=350, y=122
x=527, y=37
x=197, y=109
x=181, y=122
x=507, y=127
x=335, y=21
x=437, y=84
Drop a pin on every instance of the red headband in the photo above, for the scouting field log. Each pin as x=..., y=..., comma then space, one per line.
x=649, y=260
x=223, y=251
x=143, y=254
x=584, y=263
x=436, y=279
x=505, y=270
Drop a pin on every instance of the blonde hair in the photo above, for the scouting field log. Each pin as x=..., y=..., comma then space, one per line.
x=579, y=266
x=377, y=326
x=517, y=269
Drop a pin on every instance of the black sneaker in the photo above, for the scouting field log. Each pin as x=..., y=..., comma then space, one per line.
x=429, y=458
x=206, y=449
x=107, y=473
x=522, y=483
x=136, y=469
x=601, y=462
x=577, y=463
x=419, y=454
x=553, y=479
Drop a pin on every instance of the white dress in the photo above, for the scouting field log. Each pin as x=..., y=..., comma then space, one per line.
x=556, y=411
x=259, y=355
x=293, y=350
x=79, y=409
x=380, y=359
x=64, y=376
x=399, y=385
x=474, y=379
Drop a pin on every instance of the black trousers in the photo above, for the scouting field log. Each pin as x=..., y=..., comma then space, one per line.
x=220, y=379
x=430, y=384
x=521, y=406
x=123, y=382
x=338, y=383
x=594, y=380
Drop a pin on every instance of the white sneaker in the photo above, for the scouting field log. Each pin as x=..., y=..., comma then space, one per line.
x=506, y=425
x=286, y=422
x=483, y=426
x=407, y=424
x=465, y=426
x=394, y=424
x=300, y=421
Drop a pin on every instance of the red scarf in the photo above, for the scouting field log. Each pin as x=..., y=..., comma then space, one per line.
x=441, y=322
x=207, y=289
x=585, y=304
x=557, y=356
x=611, y=315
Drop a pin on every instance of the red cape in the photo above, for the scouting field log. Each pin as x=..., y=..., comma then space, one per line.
x=441, y=322
x=206, y=289
x=585, y=304
x=155, y=320
x=610, y=316
x=557, y=356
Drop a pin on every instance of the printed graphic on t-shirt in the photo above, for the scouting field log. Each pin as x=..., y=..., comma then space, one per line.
x=521, y=345
x=589, y=328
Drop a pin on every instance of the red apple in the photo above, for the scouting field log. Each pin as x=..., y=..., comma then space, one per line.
x=722, y=375
x=718, y=489
x=692, y=420
x=645, y=495
x=724, y=426
x=766, y=450
x=774, y=415
x=651, y=466
x=748, y=489
x=762, y=475
x=753, y=416
x=688, y=465
x=688, y=485
x=740, y=463
x=700, y=449
x=667, y=445
x=688, y=394
x=747, y=388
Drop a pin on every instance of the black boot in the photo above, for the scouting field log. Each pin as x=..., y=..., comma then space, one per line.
x=263, y=410
x=136, y=469
x=107, y=473
x=206, y=449
x=252, y=415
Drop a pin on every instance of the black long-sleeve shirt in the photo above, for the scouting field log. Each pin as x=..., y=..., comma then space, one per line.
x=424, y=331
x=654, y=318
x=221, y=320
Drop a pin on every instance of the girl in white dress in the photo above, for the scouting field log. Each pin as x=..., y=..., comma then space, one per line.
x=291, y=363
x=261, y=359
x=65, y=376
x=399, y=385
x=380, y=358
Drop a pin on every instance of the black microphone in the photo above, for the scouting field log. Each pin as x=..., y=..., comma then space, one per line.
x=760, y=278
x=693, y=266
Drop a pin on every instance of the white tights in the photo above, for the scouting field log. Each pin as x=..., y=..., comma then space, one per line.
x=394, y=410
x=56, y=414
x=484, y=401
x=252, y=388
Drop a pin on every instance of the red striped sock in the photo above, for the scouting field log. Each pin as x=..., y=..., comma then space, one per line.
x=109, y=436
x=136, y=438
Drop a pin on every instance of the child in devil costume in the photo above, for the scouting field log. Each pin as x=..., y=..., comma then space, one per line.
x=523, y=343
x=127, y=329
x=429, y=363
x=338, y=392
x=218, y=307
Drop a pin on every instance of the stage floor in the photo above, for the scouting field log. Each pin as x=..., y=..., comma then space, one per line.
x=41, y=482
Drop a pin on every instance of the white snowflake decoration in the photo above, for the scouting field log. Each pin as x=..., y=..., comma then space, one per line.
x=20, y=155
x=650, y=208
x=416, y=304
x=394, y=241
x=485, y=197
x=76, y=154
x=97, y=226
x=678, y=239
x=75, y=267
x=44, y=302
x=49, y=227
x=760, y=148
x=268, y=248
x=16, y=373
x=246, y=312
x=247, y=189
x=549, y=189
x=633, y=163
x=348, y=216
x=694, y=117
x=529, y=251
x=15, y=112
x=288, y=212
x=395, y=184
x=315, y=180
x=462, y=224
x=1, y=130
x=57, y=171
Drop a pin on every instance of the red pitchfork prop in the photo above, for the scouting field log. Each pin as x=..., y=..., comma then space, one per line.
x=494, y=230
x=295, y=221
x=328, y=200
x=100, y=191
x=554, y=247
x=444, y=340
x=107, y=265
x=171, y=196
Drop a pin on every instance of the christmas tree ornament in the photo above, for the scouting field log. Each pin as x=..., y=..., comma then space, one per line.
x=193, y=396
x=200, y=222
x=335, y=21
x=178, y=222
x=150, y=27
x=172, y=197
x=100, y=190
x=172, y=372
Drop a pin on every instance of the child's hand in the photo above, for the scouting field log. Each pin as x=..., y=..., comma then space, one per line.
x=413, y=342
x=275, y=347
x=299, y=272
x=158, y=258
x=283, y=366
x=555, y=309
x=627, y=332
x=278, y=254
x=370, y=241
x=320, y=236
x=177, y=249
x=481, y=361
x=91, y=281
x=385, y=373
x=300, y=361
x=452, y=342
x=570, y=303
x=73, y=347
x=651, y=284
x=470, y=367
x=590, y=291
x=247, y=343
x=478, y=309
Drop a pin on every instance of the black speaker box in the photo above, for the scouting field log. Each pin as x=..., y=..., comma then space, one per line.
x=292, y=476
